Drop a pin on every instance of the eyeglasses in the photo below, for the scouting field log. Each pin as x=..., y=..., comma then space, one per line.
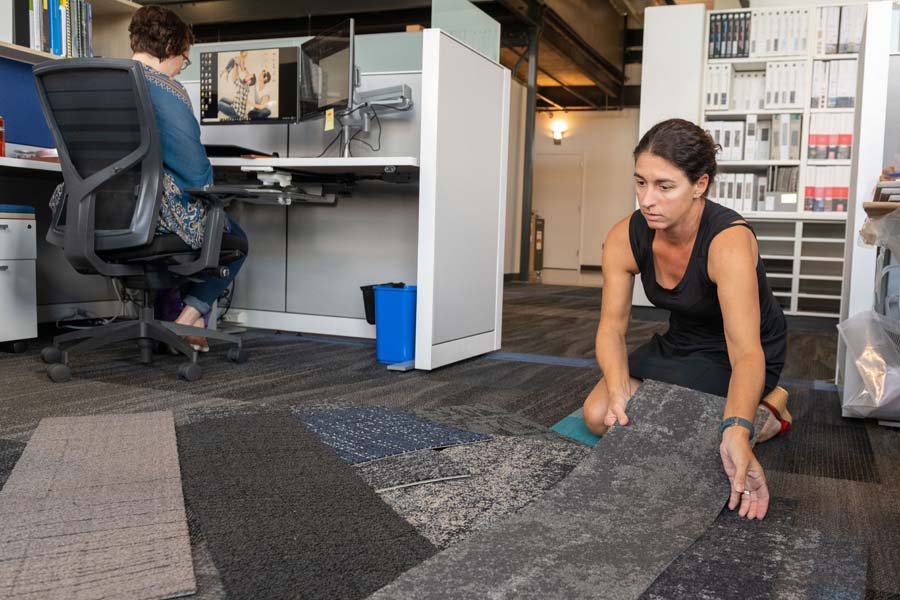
x=186, y=63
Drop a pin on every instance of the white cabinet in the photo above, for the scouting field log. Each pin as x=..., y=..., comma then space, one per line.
x=18, y=296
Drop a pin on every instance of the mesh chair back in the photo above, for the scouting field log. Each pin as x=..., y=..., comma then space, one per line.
x=101, y=117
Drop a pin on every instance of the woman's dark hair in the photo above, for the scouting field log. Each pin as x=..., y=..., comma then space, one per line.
x=683, y=144
x=159, y=32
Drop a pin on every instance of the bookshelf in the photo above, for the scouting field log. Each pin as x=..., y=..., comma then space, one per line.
x=801, y=244
x=110, y=21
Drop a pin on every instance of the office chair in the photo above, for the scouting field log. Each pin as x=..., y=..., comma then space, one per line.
x=102, y=120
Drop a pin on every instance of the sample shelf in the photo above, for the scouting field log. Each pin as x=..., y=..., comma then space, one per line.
x=829, y=162
x=23, y=54
x=759, y=163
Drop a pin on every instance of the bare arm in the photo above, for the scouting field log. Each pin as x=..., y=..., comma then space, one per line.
x=619, y=269
x=732, y=267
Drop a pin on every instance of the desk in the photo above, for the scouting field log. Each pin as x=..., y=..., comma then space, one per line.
x=61, y=291
x=440, y=225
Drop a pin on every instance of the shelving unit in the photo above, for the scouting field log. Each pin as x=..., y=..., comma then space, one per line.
x=110, y=21
x=803, y=252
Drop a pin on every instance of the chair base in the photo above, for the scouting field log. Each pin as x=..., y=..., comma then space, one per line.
x=146, y=330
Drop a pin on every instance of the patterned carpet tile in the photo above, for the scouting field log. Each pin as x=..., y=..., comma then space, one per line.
x=764, y=560
x=506, y=474
x=363, y=433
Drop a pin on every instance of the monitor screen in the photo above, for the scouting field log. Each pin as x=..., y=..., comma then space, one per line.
x=326, y=65
x=248, y=86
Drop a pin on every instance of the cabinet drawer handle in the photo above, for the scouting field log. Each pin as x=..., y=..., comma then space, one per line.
x=4, y=267
x=3, y=226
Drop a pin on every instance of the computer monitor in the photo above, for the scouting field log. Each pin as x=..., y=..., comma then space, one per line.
x=249, y=86
x=327, y=72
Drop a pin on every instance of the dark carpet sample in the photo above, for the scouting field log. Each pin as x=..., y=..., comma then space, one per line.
x=413, y=468
x=94, y=509
x=359, y=434
x=10, y=451
x=486, y=419
x=772, y=559
x=283, y=516
x=643, y=495
x=506, y=474
x=821, y=443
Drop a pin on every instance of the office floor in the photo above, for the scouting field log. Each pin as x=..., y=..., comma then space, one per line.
x=844, y=473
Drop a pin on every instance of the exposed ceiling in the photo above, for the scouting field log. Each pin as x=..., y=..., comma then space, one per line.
x=583, y=45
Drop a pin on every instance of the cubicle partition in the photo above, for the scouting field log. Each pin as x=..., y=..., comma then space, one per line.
x=437, y=222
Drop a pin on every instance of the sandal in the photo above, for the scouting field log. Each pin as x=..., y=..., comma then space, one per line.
x=772, y=416
x=197, y=343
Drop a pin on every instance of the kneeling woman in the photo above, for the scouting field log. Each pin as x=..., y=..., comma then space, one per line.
x=699, y=260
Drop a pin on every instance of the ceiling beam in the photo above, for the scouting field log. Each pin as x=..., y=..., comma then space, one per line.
x=563, y=85
x=558, y=34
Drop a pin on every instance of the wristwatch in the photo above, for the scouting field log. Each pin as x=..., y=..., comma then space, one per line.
x=731, y=421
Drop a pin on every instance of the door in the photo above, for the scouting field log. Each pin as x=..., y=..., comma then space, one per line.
x=557, y=198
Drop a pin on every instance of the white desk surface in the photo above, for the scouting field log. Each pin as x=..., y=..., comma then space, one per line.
x=23, y=163
x=369, y=165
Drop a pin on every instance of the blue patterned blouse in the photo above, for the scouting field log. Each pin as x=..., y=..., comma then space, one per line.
x=185, y=163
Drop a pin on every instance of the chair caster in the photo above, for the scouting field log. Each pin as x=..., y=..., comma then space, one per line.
x=190, y=371
x=237, y=355
x=59, y=373
x=51, y=355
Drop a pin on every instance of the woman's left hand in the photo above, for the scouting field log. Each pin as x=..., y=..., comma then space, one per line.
x=748, y=481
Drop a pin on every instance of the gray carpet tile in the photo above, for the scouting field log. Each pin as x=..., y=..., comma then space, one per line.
x=362, y=433
x=283, y=516
x=94, y=509
x=413, y=468
x=643, y=495
x=772, y=559
x=483, y=418
x=507, y=474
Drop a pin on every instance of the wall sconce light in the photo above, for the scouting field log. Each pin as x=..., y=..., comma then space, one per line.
x=558, y=127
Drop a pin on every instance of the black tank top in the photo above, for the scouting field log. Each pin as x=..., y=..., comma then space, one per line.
x=695, y=322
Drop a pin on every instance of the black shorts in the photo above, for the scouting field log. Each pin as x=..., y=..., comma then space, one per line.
x=658, y=361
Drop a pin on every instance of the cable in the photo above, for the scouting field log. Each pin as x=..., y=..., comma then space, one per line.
x=331, y=143
x=377, y=120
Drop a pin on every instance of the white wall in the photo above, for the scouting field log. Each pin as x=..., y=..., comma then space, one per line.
x=516, y=162
x=605, y=140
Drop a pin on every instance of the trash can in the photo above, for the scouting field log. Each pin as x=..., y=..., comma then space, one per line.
x=395, y=323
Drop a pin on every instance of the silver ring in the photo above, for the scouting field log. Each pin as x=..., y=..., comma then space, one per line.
x=745, y=493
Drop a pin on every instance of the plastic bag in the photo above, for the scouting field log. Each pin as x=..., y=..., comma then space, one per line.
x=883, y=231
x=872, y=389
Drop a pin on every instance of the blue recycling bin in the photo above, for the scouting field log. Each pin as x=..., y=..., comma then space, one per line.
x=395, y=323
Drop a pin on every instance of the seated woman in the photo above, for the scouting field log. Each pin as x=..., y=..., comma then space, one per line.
x=161, y=42
x=699, y=260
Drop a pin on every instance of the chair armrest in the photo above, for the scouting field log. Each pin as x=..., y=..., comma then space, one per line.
x=215, y=202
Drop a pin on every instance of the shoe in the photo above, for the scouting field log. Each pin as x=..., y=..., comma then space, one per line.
x=197, y=343
x=772, y=416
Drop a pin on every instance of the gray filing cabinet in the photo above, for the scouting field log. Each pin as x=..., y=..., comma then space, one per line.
x=18, y=254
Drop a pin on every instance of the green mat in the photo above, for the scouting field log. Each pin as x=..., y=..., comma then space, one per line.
x=573, y=427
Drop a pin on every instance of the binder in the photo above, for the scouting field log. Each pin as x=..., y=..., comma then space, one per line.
x=764, y=134
x=45, y=26
x=834, y=69
x=775, y=143
x=809, y=190
x=845, y=136
x=847, y=85
x=56, y=46
x=784, y=152
x=737, y=139
x=821, y=28
x=750, y=138
x=759, y=196
x=832, y=29
x=795, y=137
x=753, y=33
x=747, y=204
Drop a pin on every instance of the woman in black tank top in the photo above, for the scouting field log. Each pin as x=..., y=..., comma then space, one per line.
x=699, y=260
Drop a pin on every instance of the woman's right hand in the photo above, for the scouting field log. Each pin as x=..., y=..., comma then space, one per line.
x=615, y=412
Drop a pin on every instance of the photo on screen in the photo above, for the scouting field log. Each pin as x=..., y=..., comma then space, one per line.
x=247, y=86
